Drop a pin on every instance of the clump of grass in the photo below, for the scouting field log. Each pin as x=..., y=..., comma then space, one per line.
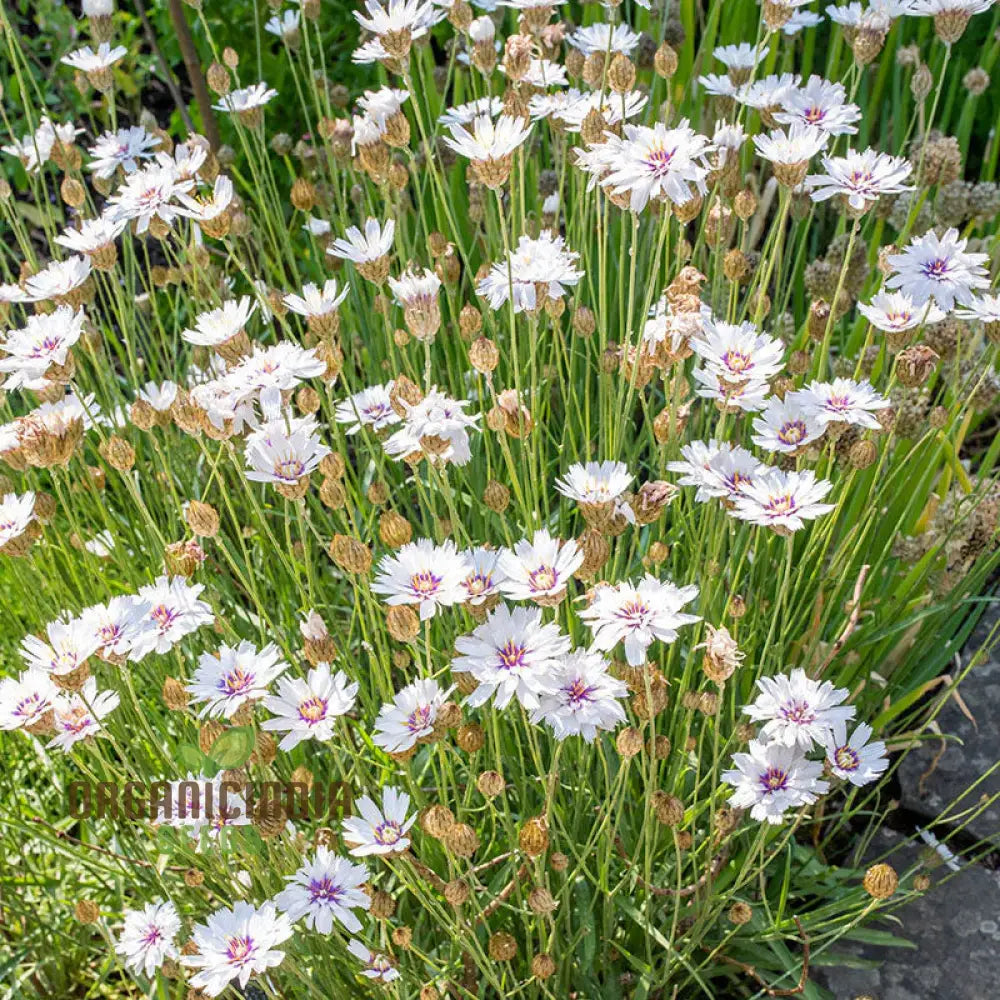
x=582, y=455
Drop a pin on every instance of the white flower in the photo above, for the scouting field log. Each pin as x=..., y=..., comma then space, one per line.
x=217, y=326
x=860, y=178
x=771, y=779
x=544, y=261
x=284, y=25
x=658, y=163
x=44, y=341
x=410, y=717
x=510, y=654
x=983, y=309
x=894, y=312
x=543, y=73
x=88, y=61
x=485, y=576
x=371, y=407
x=750, y=395
x=585, y=697
x=246, y=98
x=540, y=569
x=670, y=328
x=463, y=114
x=438, y=419
x=740, y=58
x=149, y=936
x=487, y=139
x=159, y=396
x=717, y=469
x=769, y=92
x=786, y=425
x=126, y=148
x=203, y=805
x=782, y=500
x=796, y=146
x=362, y=248
x=58, y=278
x=799, y=20
x=308, y=709
x=415, y=289
x=16, y=513
x=376, y=965
x=92, y=235
x=931, y=8
x=70, y=644
x=325, y=889
x=738, y=353
x=639, y=614
x=798, y=710
x=383, y=104
x=120, y=625
x=204, y=209
x=843, y=401
x=391, y=16
x=822, y=105
x=283, y=454
x=719, y=86
x=856, y=759
x=25, y=700
x=79, y=715
x=939, y=268
x=596, y=482
x=422, y=573
x=573, y=109
x=176, y=611
x=148, y=194
x=603, y=37
x=236, y=943
x=233, y=676
x=380, y=830
x=316, y=301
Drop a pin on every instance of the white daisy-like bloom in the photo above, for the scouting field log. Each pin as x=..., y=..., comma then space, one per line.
x=92, y=235
x=938, y=268
x=203, y=805
x=186, y=158
x=58, y=278
x=176, y=611
x=283, y=454
x=772, y=778
x=27, y=699
x=278, y=367
x=854, y=759
x=750, y=395
x=463, y=114
x=159, y=395
x=485, y=576
x=439, y=418
x=638, y=615
x=316, y=227
x=234, y=944
x=35, y=150
x=204, y=208
x=422, y=573
x=410, y=717
x=284, y=25
x=101, y=545
x=728, y=139
x=217, y=326
x=740, y=58
x=894, y=312
x=371, y=407
x=786, y=425
x=931, y=8
x=719, y=85
x=799, y=20
x=375, y=964
x=511, y=654
x=126, y=148
x=393, y=16
x=545, y=261
x=119, y=625
x=324, y=890
x=16, y=513
x=584, y=699
x=877, y=16
x=309, y=709
x=540, y=568
x=738, y=352
x=379, y=829
x=488, y=139
x=982, y=309
x=149, y=193
x=148, y=937
x=79, y=715
x=12, y=293
x=613, y=108
x=45, y=340
x=672, y=329
x=797, y=710
x=530, y=4
x=603, y=37
x=843, y=401
x=820, y=104
x=658, y=163
x=595, y=483
x=369, y=52
x=316, y=300
x=87, y=60
x=233, y=676
x=860, y=178
x=415, y=289
x=782, y=501
x=364, y=247
x=717, y=469
x=67, y=646
x=798, y=145
x=246, y=98
x=382, y=104
x=544, y=73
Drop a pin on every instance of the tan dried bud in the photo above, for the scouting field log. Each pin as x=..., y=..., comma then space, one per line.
x=350, y=555
x=621, y=73
x=740, y=913
x=87, y=912
x=218, y=79
x=502, y=947
x=541, y=901
x=332, y=494
x=402, y=623
x=175, y=695
x=456, y=892
x=118, y=453
x=584, y=322
x=470, y=737
x=383, y=906
x=490, y=784
x=665, y=61
x=394, y=530
x=543, y=966
x=533, y=837
x=496, y=496
x=916, y=364
x=436, y=821
x=629, y=742
x=72, y=192
x=484, y=355
x=735, y=265
x=669, y=809
x=745, y=204
x=470, y=321
x=202, y=519
x=880, y=881
x=922, y=82
x=461, y=840
x=862, y=454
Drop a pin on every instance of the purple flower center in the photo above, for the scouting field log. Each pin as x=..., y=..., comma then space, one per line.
x=799, y=712
x=543, y=578
x=846, y=758
x=511, y=655
x=388, y=833
x=633, y=613
x=237, y=682
x=578, y=691
x=153, y=935
x=658, y=161
x=478, y=584
x=419, y=719
x=290, y=469
x=239, y=949
x=425, y=583
x=774, y=779
x=312, y=710
x=164, y=616
x=780, y=505
x=737, y=361
x=936, y=269
x=792, y=432
x=324, y=890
